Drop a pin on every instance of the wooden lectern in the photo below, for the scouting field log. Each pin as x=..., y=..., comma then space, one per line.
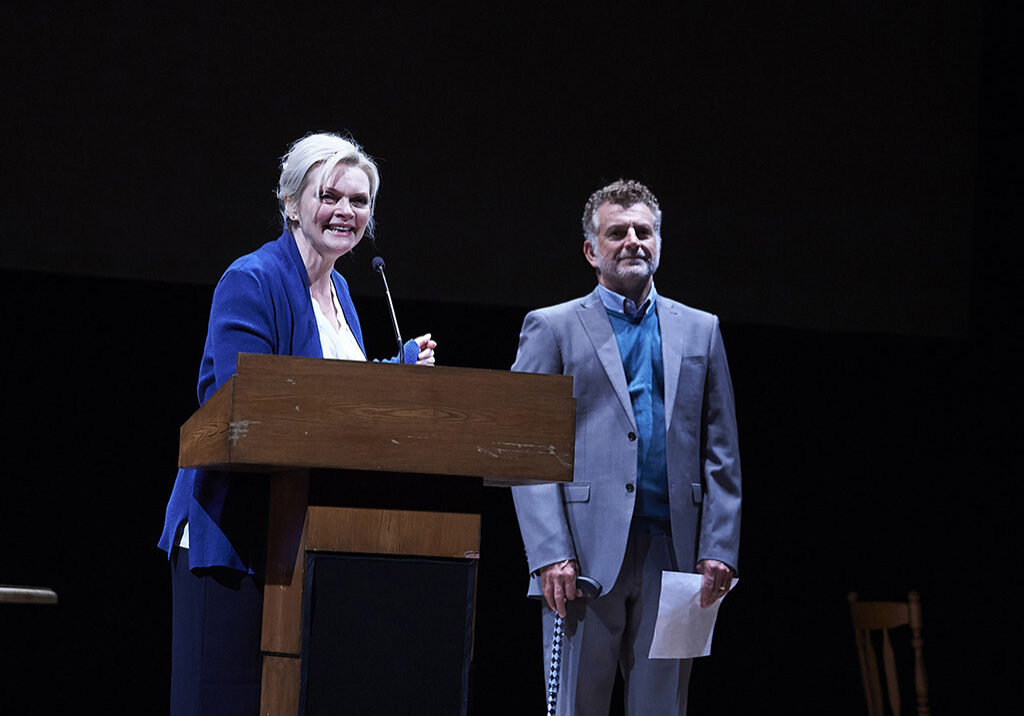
x=406, y=436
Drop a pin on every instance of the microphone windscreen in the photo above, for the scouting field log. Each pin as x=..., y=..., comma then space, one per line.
x=378, y=264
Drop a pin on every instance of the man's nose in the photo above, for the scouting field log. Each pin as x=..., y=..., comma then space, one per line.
x=631, y=237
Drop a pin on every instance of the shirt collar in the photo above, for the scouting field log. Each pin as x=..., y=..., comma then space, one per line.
x=620, y=304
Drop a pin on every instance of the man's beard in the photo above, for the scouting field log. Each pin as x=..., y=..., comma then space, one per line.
x=634, y=270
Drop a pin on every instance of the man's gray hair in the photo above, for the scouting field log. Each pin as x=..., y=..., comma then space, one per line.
x=625, y=193
x=322, y=151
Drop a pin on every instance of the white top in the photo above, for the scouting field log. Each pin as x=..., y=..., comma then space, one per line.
x=337, y=345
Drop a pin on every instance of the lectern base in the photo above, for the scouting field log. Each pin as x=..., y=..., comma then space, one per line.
x=386, y=635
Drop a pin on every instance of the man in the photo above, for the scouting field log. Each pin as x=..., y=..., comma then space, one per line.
x=656, y=484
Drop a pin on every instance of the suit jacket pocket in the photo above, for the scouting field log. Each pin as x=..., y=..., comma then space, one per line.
x=698, y=493
x=576, y=491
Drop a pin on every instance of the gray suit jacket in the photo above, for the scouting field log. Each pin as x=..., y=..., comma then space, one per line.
x=588, y=520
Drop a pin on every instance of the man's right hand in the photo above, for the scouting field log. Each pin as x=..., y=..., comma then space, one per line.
x=558, y=582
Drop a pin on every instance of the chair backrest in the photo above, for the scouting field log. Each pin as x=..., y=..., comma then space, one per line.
x=881, y=618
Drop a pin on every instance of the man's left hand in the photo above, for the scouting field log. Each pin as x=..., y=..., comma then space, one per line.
x=717, y=580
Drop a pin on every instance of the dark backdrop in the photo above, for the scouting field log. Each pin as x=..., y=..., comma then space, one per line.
x=817, y=162
x=837, y=186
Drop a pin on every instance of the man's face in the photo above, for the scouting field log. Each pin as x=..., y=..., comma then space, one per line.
x=628, y=249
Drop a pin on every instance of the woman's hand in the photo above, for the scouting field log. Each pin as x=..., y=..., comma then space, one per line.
x=427, y=346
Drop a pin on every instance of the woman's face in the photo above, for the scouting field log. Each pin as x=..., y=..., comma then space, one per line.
x=331, y=221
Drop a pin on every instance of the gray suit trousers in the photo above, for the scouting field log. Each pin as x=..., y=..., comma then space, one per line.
x=614, y=632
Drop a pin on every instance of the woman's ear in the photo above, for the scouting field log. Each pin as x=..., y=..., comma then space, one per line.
x=291, y=210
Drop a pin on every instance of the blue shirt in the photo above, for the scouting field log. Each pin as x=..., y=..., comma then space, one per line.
x=639, y=339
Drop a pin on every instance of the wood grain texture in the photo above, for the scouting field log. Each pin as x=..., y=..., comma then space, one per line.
x=304, y=412
x=204, y=436
x=286, y=563
x=400, y=532
x=279, y=690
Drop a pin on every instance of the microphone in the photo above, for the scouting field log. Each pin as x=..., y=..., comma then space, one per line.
x=378, y=266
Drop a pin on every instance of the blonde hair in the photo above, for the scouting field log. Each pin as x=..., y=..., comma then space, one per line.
x=322, y=151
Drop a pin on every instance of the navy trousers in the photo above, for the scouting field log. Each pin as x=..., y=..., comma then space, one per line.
x=215, y=646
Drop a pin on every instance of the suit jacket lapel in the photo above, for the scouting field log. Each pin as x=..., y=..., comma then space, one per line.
x=670, y=322
x=305, y=335
x=594, y=318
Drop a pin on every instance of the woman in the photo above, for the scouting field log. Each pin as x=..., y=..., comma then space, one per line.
x=284, y=298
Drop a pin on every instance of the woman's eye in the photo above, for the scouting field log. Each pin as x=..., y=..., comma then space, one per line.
x=328, y=199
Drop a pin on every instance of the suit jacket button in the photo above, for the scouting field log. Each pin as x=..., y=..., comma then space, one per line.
x=631, y=436
x=629, y=487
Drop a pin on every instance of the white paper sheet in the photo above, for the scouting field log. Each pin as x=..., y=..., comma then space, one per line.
x=683, y=630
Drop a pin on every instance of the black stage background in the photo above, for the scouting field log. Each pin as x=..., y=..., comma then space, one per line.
x=837, y=186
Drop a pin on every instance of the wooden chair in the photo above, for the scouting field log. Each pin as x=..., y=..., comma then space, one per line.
x=872, y=618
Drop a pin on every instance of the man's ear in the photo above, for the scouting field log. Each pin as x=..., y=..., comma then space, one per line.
x=588, y=252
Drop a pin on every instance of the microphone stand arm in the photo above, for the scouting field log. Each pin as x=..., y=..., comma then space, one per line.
x=391, y=307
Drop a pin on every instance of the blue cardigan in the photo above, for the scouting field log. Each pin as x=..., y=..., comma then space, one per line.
x=260, y=305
